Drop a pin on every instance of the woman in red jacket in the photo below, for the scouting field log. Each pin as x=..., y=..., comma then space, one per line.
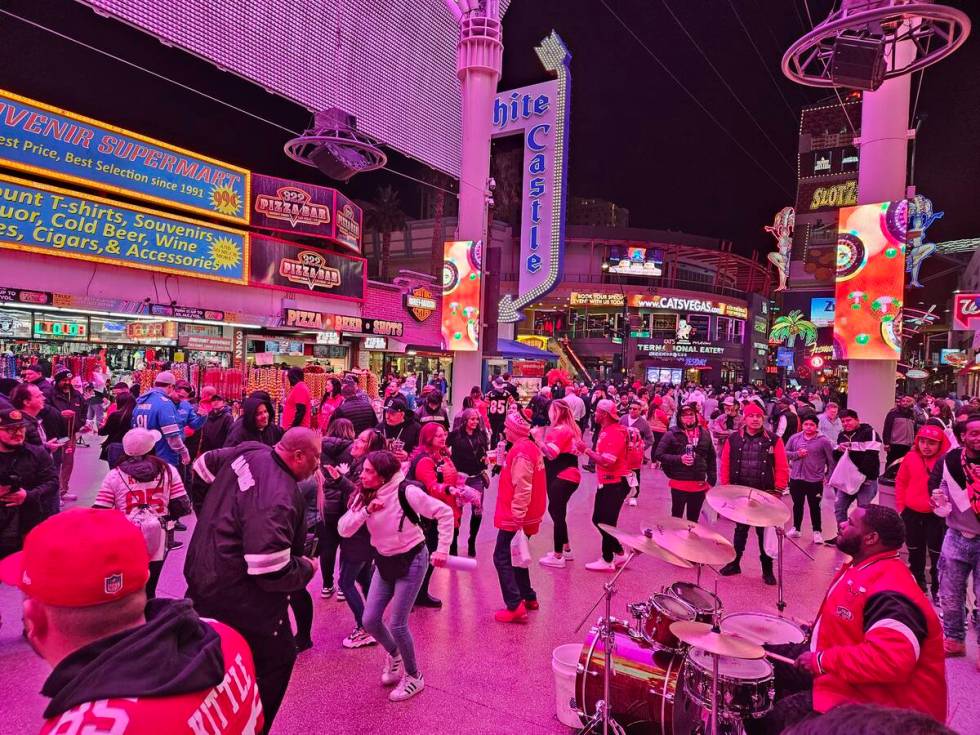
x=433, y=469
x=924, y=530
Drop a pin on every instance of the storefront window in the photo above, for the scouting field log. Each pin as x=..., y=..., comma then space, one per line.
x=701, y=324
x=723, y=329
x=738, y=331
x=15, y=324
x=663, y=325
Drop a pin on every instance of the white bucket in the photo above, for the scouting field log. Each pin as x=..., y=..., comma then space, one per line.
x=564, y=662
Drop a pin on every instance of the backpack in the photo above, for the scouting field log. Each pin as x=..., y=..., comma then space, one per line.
x=634, y=448
x=407, y=510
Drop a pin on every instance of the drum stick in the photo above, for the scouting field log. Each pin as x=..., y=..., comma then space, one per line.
x=777, y=657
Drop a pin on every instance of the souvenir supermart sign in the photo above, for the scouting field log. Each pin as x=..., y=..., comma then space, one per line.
x=540, y=114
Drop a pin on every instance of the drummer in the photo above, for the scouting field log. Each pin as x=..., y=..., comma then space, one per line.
x=756, y=458
x=876, y=639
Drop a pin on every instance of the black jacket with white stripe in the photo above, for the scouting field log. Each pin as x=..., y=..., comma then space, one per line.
x=245, y=556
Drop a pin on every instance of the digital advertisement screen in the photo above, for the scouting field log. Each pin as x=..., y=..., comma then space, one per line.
x=784, y=357
x=822, y=311
x=461, y=284
x=870, y=280
x=636, y=261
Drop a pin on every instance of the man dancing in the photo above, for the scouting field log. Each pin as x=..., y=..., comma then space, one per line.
x=754, y=457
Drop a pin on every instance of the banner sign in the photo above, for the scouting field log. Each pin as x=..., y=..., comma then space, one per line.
x=684, y=305
x=287, y=266
x=187, y=312
x=306, y=209
x=151, y=330
x=966, y=310
x=43, y=219
x=679, y=348
x=318, y=320
x=205, y=344
x=461, y=286
x=21, y=296
x=540, y=114
x=870, y=280
x=597, y=299
x=41, y=139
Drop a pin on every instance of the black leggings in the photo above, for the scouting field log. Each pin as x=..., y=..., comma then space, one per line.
x=811, y=492
x=151, y=584
x=559, y=493
x=608, y=502
x=924, y=533
x=302, y=604
x=329, y=540
x=693, y=501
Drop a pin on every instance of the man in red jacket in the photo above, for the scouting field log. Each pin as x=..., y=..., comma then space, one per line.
x=123, y=664
x=876, y=640
x=521, y=499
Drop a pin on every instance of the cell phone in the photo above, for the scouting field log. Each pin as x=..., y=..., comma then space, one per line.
x=310, y=547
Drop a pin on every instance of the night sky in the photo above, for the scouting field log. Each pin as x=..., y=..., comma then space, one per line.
x=636, y=138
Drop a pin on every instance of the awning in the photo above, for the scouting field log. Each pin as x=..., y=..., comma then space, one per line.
x=518, y=350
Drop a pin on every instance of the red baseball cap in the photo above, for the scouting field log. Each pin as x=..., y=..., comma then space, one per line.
x=80, y=558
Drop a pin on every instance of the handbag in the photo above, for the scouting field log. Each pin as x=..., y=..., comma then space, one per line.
x=520, y=552
x=846, y=476
x=393, y=568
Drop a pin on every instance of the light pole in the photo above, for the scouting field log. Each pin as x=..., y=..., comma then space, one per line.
x=479, y=55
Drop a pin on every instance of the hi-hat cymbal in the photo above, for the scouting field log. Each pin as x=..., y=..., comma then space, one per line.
x=643, y=545
x=748, y=505
x=691, y=540
x=701, y=635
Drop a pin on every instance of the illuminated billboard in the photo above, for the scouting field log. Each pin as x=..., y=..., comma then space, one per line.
x=870, y=280
x=822, y=311
x=635, y=262
x=461, y=284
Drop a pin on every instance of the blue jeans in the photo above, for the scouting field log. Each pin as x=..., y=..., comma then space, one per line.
x=865, y=494
x=960, y=557
x=351, y=572
x=515, y=582
x=395, y=637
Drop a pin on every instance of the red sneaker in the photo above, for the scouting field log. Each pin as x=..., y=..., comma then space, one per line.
x=531, y=604
x=517, y=615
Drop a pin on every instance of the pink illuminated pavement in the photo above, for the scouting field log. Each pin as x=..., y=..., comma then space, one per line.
x=482, y=678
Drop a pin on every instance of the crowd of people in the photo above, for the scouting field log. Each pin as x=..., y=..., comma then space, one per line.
x=373, y=498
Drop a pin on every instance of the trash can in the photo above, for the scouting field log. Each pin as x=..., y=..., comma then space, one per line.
x=564, y=664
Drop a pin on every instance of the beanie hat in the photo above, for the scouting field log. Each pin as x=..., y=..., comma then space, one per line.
x=752, y=409
x=519, y=422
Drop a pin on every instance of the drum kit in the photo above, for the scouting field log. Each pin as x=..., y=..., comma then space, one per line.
x=680, y=666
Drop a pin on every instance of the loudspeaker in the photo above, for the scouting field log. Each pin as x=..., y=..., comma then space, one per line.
x=858, y=62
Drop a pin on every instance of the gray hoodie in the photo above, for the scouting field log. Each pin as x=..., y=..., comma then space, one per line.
x=818, y=462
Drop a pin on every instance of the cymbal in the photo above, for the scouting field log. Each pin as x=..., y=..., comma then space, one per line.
x=748, y=505
x=643, y=545
x=701, y=635
x=690, y=540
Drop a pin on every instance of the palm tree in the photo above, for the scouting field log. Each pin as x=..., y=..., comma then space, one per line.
x=791, y=326
x=384, y=215
x=440, y=182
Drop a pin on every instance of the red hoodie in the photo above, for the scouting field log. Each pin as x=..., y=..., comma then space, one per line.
x=912, y=481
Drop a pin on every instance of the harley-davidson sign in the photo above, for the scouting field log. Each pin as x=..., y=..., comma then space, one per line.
x=297, y=208
x=420, y=303
x=287, y=266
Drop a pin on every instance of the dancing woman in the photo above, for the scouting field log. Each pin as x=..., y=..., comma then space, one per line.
x=557, y=442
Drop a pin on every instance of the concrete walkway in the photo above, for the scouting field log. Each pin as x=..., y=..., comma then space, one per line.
x=482, y=677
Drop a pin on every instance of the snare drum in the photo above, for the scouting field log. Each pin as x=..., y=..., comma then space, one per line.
x=643, y=686
x=762, y=628
x=661, y=611
x=745, y=686
x=705, y=603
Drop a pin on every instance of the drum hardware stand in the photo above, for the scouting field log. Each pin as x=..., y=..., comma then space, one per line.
x=780, y=538
x=602, y=710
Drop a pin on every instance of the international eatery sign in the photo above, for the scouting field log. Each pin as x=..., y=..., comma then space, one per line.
x=43, y=219
x=298, y=208
x=966, y=310
x=284, y=265
x=40, y=139
x=540, y=114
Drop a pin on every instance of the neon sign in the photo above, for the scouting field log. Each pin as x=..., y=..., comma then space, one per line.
x=540, y=113
x=839, y=195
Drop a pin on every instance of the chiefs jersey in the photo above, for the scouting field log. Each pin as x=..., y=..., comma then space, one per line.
x=497, y=402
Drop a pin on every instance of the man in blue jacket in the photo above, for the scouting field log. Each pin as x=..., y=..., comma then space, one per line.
x=155, y=409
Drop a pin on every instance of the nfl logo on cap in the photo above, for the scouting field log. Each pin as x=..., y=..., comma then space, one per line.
x=113, y=584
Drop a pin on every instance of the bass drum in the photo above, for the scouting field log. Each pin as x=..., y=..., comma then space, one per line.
x=643, y=686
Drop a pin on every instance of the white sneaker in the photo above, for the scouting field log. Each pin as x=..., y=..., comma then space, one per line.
x=551, y=560
x=817, y=538
x=601, y=565
x=394, y=666
x=794, y=533
x=341, y=597
x=567, y=555
x=358, y=639
x=407, y=688
x=632, y=502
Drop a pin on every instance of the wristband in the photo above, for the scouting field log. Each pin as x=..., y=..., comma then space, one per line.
x=820, y=668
